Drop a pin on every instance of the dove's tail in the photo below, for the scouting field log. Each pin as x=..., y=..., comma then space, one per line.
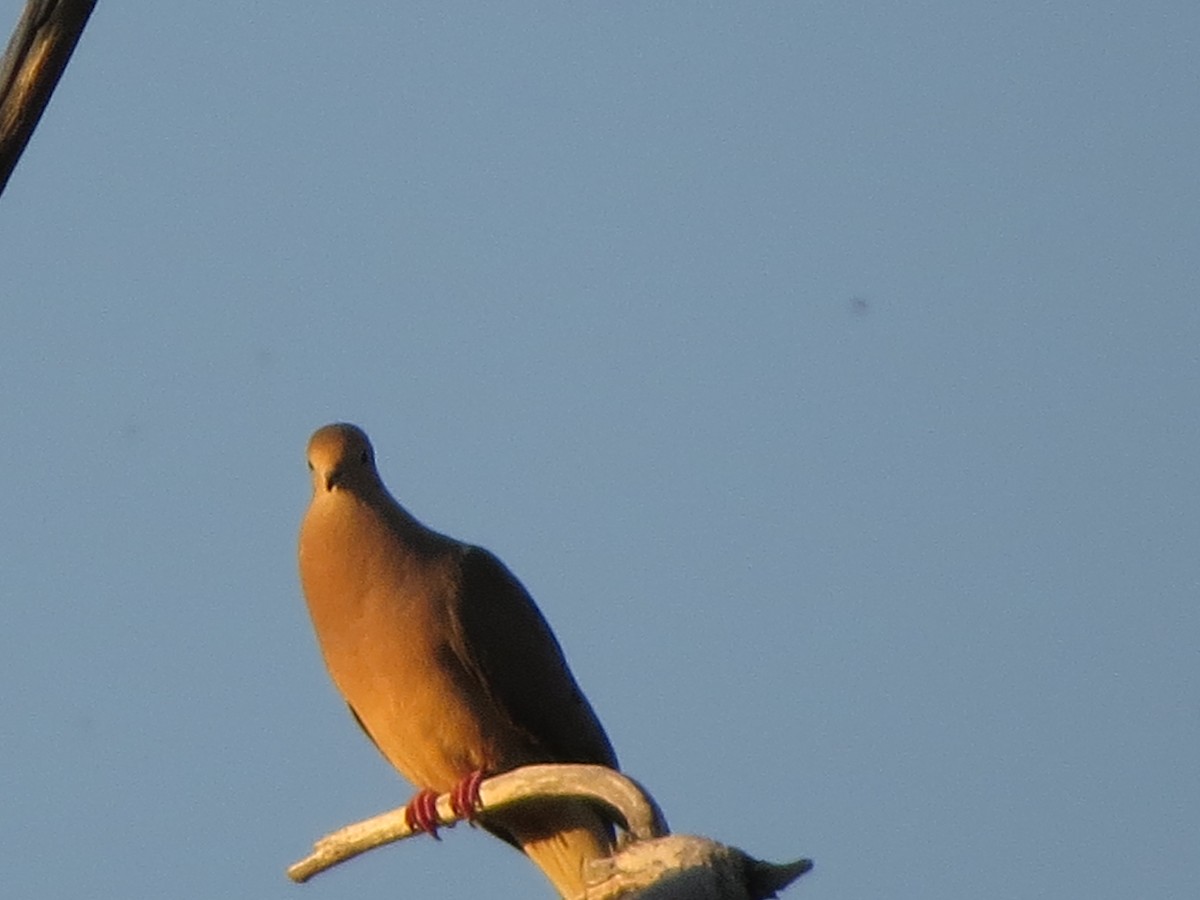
x=561, y=837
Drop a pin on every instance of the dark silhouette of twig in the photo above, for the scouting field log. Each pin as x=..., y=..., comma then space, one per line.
x=36, y=56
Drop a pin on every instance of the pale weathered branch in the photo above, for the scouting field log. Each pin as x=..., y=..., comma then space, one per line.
x=652, y=865
x=36, y=56
x=630, y=804
x=688, y=867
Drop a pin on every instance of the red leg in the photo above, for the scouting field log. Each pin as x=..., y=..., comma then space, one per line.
x=421, y=813
x=464, y=799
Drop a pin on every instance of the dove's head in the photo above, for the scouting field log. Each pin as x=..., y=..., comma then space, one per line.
x=340, y=456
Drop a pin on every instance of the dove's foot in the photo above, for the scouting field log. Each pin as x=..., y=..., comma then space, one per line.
x=421, y=813
x=464, y=799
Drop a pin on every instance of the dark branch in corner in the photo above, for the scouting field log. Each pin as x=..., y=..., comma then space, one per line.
x=36, y=56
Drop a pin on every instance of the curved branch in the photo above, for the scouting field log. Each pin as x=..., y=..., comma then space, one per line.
x=653, y=865
x=626, y=800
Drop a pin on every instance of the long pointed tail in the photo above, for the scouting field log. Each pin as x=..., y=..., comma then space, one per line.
x=561, y=837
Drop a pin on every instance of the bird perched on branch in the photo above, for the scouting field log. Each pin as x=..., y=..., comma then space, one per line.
x=444, y=659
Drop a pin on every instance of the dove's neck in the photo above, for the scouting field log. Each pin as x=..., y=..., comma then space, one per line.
x=417, y=538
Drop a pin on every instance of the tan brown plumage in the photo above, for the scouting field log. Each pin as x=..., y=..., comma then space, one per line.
x=442, y=655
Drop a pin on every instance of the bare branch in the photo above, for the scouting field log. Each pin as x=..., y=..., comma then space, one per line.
x=629, y=804
x=688, y=867
x=36, y=56
x=652, y=865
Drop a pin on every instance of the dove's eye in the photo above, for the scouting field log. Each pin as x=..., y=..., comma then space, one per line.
x=364, y=457
x=310, y=468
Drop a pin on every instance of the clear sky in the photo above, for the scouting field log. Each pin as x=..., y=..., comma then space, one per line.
x=829, y=372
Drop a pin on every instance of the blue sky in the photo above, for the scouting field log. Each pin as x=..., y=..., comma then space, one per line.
x=828, y=372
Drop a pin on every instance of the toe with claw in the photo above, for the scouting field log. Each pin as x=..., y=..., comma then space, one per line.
x=464, y=799
x=421, y=813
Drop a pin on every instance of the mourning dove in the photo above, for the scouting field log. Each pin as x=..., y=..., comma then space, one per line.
x=445, y=661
